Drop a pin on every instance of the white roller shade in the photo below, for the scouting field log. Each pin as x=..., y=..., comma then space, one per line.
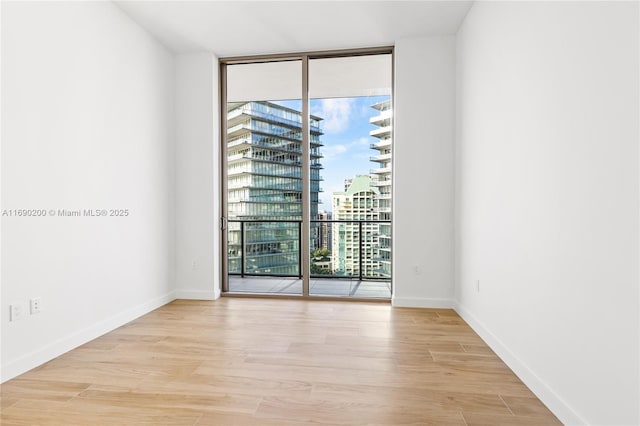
x=350, y=76
x=265, y=81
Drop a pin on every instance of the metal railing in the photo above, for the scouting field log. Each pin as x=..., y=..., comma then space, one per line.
x=273, y=116
x=238, y=245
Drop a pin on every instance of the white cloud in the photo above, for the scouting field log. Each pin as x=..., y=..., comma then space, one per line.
x=336, y=113
x=332, y=151
x=355, y=149
x=361, y=142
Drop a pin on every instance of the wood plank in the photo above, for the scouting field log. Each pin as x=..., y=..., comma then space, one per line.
x=277, y=362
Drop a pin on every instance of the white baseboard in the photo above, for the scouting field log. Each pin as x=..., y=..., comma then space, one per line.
x=197, y=294
x=61, y=346
x=420, y=302
x=556, y=404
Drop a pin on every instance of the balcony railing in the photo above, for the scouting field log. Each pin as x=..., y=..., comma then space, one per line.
x=279, y=242
x=380, y=170
x=383, y=196
x=384, y=143
x=380, y=131
x=384, y=115
x=380, y=158
x=381, y=182
x=275, y=145
x=274, y=116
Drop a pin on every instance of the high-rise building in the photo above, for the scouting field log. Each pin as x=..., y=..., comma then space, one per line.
x=382, y=180
x=321, y=256
x=264, y=157
x=324, y=230
x=354, y=242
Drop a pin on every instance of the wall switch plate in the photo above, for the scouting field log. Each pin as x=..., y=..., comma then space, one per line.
x=15, y=312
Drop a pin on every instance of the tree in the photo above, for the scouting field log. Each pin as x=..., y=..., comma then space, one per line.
x=317, y=270
x=321, y=255
x=318, y=256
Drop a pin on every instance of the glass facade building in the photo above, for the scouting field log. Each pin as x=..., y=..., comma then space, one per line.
x=264, y=180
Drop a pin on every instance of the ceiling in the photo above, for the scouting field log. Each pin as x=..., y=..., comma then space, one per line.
x=233, y=28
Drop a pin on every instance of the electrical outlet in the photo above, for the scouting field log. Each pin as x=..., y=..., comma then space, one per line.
x=15, y=312
x=36, y=305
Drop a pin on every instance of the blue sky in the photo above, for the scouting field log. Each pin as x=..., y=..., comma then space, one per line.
x=346, y=140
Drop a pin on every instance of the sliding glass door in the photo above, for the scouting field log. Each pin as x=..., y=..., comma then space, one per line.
x=307, y=174
x=264, y=195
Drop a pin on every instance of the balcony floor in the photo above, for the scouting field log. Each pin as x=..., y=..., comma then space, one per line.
x=317, y=287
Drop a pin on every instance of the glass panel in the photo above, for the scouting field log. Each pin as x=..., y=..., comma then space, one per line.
x=350, y=237
x=264, y=177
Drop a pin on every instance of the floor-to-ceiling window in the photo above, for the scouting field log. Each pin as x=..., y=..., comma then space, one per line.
x=307, y=174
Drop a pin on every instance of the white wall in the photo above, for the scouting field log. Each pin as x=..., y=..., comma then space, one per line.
x=197, y=177
x=87, y=123
x=547, y=199
x=423, y=172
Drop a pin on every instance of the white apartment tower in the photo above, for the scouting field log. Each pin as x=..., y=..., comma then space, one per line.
x=382, y=180
x=355, y=242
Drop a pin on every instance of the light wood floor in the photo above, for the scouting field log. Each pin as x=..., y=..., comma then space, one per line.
x=277, y=362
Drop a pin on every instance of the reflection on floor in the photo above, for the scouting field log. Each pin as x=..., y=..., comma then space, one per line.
x=317, y=286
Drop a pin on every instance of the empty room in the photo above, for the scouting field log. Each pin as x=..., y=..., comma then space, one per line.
x=320, y=212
